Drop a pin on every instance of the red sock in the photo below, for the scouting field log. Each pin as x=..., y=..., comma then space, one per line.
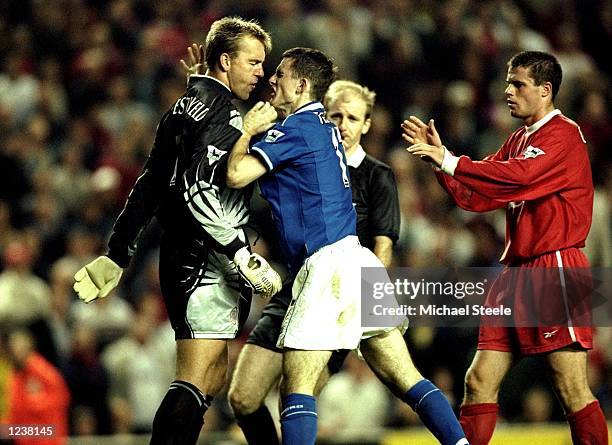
x=588, y=426
x=478, y=422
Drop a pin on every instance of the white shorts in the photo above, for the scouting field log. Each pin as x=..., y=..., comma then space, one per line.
x=325, y=311
x=214, y=311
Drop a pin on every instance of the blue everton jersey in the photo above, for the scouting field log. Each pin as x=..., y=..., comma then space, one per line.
x=308, y=184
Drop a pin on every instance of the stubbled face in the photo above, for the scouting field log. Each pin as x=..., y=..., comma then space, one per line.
x=526, y=100
x=246, y=67
x=284, y=89
x=348, y=112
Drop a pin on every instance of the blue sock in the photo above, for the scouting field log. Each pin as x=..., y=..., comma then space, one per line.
x=299, y=420
x=435, y=413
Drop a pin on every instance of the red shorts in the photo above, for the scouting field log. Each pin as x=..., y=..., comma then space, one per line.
x=550, y=300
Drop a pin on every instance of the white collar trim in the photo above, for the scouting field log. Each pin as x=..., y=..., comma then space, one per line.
x=310, y=107
x=535, y=127
x=357, y=157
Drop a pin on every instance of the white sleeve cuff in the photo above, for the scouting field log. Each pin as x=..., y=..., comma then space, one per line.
x=449, y=163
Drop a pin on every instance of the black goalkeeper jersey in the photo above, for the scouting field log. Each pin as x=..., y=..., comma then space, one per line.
x=375, y=199
x=183, y=180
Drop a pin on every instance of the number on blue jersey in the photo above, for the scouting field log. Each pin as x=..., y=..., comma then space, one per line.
x=335, y=135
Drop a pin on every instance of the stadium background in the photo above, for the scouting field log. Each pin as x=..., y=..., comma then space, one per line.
x=82, y=86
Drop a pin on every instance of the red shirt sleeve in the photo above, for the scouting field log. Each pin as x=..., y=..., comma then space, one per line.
x=466, y=197
x=537, y=170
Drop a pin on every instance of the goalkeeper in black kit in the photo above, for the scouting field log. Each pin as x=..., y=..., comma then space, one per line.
x=207, y=272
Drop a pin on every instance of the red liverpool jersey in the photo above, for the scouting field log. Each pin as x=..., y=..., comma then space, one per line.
x=542, y=175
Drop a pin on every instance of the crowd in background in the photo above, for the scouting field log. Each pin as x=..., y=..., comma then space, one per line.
x=83, y=85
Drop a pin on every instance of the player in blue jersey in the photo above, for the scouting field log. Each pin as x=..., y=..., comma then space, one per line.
x=302, y=172
x=348, y=105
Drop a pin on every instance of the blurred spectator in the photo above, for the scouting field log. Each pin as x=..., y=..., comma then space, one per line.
x=342, y=30
x=109, y=318
x=25, y=297
x=96, y=62
x=19, y=90
x=36, y=154
x=14, y=183
x=353, y=404
x=141, y=366
x=53, y=98
x=60, y=282
x=108, y=185
x=599, y=242
x=89, y=384
x=70, y=179
x=286, y=18
x=7, y=232
x=82, y=244
x=38, y=393
x=516, y=35
x=595, y=121
x=120, y=112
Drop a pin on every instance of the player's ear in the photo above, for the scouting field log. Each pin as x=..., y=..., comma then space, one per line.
x=366, y=125
x=546, y=89
x=302, y=86
x=225, y=62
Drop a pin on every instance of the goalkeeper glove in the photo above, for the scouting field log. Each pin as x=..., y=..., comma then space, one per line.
x=257, y=273
x=97, y=279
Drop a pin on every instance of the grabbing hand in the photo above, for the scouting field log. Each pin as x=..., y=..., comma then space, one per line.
x=97, y=279
x=259, y=118
x=195, y=56
x=257, y=273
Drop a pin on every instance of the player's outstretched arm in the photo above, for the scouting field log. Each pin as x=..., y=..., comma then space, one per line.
x=97, y=279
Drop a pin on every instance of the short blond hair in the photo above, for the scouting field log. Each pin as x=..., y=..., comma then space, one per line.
x=341, y=88
x=225, y=34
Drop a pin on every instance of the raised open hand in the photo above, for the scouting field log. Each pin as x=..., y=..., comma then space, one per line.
x=415, y=131
x=195, y=57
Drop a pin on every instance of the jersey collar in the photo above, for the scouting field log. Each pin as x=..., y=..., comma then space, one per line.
x=535, y=127
x=216, y=82
x=310, y=106
x=356, y=157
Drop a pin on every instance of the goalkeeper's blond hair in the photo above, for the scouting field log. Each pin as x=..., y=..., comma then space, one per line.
x=342, y=88
x=224, y=37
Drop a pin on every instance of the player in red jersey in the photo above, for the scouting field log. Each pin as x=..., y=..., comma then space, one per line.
x=542, y=176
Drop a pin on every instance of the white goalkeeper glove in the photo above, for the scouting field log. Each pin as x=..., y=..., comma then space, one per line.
x=97, y=279
x=257, y=273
